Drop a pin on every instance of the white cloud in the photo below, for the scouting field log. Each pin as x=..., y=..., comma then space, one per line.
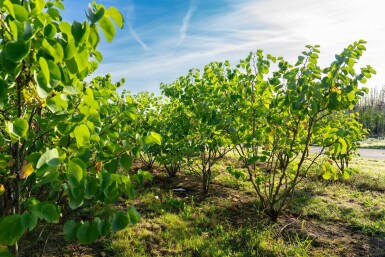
x=137, y=38
x=279, y=27
x=334, y=24
x=186, y=22
x=129, y=18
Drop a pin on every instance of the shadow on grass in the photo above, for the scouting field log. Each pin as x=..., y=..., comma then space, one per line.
x=329, y=224
x=227, y=222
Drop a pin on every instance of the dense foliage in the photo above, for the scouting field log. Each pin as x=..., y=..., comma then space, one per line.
x=68, y=144
x=65, y=143
x=271, y=118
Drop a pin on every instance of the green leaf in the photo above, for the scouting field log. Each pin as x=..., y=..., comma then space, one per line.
x=94, y=14
x=129, y=189
x=104, y=227
x=72, y=65
x=350, y=63
x=59, y=5
x=105, y=180
x=120, y=221
x=44, y=89
x=98, y=55
x=18, y=128
x=69, y=229
x=327, y=171
x=363, y=80
x=50, y=157
x=39, y=5
x=116, y=16
x=346, y=174
x=70, y=90
x=7, y=65
x=15, y=51
x=77, y=31
x=82, y=135
x=145, y=175
x=152, y=138
x=141, y=176
x=29, y=220
x=45, y=69
x=54, y=13
x=327, y=175
x=48, y=211
x=111, y=166
x=75, y=172
x=76, y=197
x=343, y=145
x=351, y=96
x=55, y=74
x=50, y=31
x=108, y=28
x=8, y=5
x=134, y=216
x=28, y=31
x=81, y=59
x=112, y=193
x=125, y=162
x=94, y=38
x=91, y=187
x=66, y=28
x=54, y=49
x=11, y=229
x=21, y=13
x=87, y=233
x=71, y=49
x=13, y=28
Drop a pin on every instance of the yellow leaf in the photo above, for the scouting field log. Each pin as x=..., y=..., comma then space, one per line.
x=26, y=170
x=2, y=189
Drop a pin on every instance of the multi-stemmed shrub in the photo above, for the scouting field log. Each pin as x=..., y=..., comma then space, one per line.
x=64, y=142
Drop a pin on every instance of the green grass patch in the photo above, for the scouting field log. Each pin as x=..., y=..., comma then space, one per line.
x=373, y=143
x=326, y=218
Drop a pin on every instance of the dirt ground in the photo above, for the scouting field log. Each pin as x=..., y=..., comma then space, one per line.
x=333, y=239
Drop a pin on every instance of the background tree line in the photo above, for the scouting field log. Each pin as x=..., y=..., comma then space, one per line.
x=371, y=109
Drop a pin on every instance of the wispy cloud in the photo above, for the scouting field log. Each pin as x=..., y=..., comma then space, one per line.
x=129, y=18
x=186, y=22
x=137, y=38
x=281, y=28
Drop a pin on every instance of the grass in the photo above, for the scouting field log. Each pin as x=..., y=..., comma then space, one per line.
x=327, y=218
x=373, y=143
x=358, y=201
x=201, y=231
x=371, y=176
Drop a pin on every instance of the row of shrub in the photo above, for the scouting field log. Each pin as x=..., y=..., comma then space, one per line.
x=266, y=110
x=68, y=144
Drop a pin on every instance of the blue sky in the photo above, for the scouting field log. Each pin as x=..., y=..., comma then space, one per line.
x=163, y=39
